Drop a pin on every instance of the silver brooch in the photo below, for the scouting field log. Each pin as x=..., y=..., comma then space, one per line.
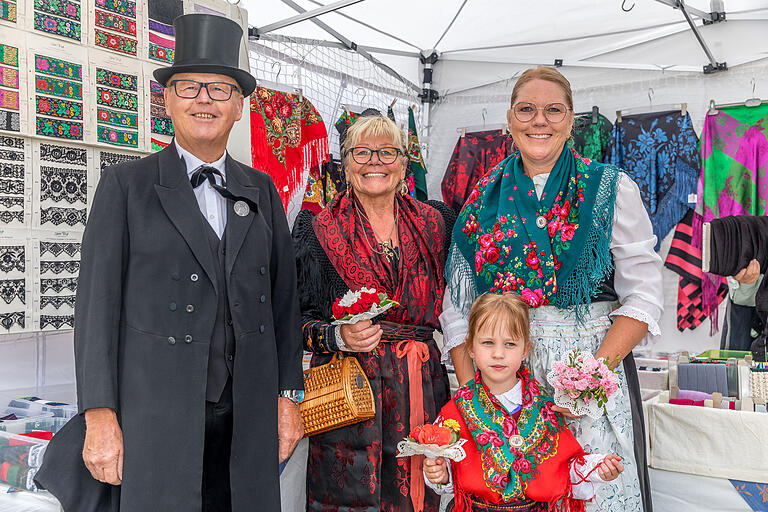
x=516, y=441
x=541, y=221
x=241, y=208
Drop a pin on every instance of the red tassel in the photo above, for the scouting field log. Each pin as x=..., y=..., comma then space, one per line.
x=461, y=501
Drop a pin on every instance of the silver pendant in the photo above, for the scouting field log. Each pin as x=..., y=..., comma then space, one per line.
x=241, y=208
x=541, y=221
x=516, y=441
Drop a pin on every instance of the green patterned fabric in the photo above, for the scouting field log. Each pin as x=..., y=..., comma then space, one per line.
x=554, y=250
x=592, y=140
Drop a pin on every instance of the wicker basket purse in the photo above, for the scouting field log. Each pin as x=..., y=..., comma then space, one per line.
x=336, y=394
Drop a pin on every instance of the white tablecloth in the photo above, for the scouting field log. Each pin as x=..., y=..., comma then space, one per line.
x=682, y=492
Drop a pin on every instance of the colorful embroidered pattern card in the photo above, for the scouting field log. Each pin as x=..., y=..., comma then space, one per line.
x=115, y=26
x=117, y=103
x=159, y=122
x=59, y=98
x=9, y=93
x=58, y=17
x=8, y=10
x=161, y=14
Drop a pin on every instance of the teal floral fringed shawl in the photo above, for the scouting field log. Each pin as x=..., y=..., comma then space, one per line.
x=552, y=251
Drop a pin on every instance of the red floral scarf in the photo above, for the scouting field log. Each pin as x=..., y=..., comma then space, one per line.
x=287, y=136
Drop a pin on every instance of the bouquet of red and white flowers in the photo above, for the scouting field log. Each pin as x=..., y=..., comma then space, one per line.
x=434, y=441
x=583, y=384
x=363, y=304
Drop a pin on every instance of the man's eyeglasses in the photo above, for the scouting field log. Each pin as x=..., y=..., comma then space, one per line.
x=190, y=89
x=526, y=111
x=363, y=155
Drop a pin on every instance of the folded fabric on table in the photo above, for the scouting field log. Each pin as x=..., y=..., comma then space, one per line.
x=708, y=378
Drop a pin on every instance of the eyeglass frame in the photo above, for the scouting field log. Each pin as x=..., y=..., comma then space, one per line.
x=398, y=151
x=233, y=88
x=538, y=108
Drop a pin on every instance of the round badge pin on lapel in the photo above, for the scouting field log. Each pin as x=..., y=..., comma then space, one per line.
x=516, y=441
x=241, y=208
x=541, y=221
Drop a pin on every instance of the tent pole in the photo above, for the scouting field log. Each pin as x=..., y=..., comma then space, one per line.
x=353, y=46
x=306, y=15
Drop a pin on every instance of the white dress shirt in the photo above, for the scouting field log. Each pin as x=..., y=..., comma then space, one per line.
x=212, y=205
x=637, y=280
x=512, y=401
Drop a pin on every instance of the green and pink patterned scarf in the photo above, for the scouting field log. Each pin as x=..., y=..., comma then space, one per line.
x=510, y=450
x=552, y=251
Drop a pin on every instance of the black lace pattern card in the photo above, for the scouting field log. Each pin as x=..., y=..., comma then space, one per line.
x=57, y=301
x=59, y=185
x=63, y=155
x=12, y=181
x=55, y=217
x=71, y=249
x=12, y=259
x=107, y=158
x=58, y=285
x=13, y=290
x=57, y=322
x=14, y=320
x=48, y=267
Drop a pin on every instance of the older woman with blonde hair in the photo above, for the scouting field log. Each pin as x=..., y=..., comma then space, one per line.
x=572, y=237
x=375, y=235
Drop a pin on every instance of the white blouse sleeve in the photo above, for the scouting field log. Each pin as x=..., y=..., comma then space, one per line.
x=453, y=320
x=637, y=279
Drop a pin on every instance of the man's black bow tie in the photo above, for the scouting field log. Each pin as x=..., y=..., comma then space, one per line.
x=207, y=173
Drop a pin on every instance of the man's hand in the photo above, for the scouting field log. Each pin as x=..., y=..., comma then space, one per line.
x=103, y=447
x=749, y=274
x=290, y=428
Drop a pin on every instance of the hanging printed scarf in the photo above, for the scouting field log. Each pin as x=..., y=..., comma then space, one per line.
x=323, y=183
x=418, y=169
x=511, y=451
x=685, y=260
x=474, y=155
x=555, y=250
x=592, y=139
x=288, y=136
x=734, y=177
x=659, y=152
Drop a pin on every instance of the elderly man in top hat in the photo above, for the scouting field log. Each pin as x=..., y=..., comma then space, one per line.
x=187, y=346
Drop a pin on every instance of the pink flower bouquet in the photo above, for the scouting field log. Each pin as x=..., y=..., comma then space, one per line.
x=583, y=384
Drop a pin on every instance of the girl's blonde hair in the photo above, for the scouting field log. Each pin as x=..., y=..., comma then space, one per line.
x=508, y=308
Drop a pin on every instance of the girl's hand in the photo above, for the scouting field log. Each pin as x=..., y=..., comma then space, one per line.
x=362, y=336
x=610, y=468
x=436, y=470
x=564, y=411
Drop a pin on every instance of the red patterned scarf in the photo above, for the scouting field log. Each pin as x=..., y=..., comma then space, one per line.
x=417, y=284
x=287, y=136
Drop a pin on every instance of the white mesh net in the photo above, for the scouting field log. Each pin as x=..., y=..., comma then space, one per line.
x=331, y=78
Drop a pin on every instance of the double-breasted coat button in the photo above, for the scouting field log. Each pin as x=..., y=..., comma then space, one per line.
x=190, y=308
x=263, y=270
x=263, y=298
x=188, y=338
x=171, y=340
x=261, y=329
x=193, y=277
x=172, y=306
x=229, y=357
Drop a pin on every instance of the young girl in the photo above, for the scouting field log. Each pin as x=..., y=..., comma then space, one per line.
x=520, y=454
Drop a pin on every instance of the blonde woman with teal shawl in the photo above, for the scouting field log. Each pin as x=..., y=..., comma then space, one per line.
x=570, y=236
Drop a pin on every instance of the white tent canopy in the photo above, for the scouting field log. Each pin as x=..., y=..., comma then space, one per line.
x=483, y=41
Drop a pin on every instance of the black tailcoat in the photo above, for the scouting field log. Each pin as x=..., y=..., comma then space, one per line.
x=143, y=351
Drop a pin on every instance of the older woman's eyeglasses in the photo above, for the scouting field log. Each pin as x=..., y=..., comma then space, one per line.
x=363, y=155
x=526, y=111
x=190, y=89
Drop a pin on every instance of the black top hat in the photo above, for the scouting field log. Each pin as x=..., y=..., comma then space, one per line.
x=207, y=44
